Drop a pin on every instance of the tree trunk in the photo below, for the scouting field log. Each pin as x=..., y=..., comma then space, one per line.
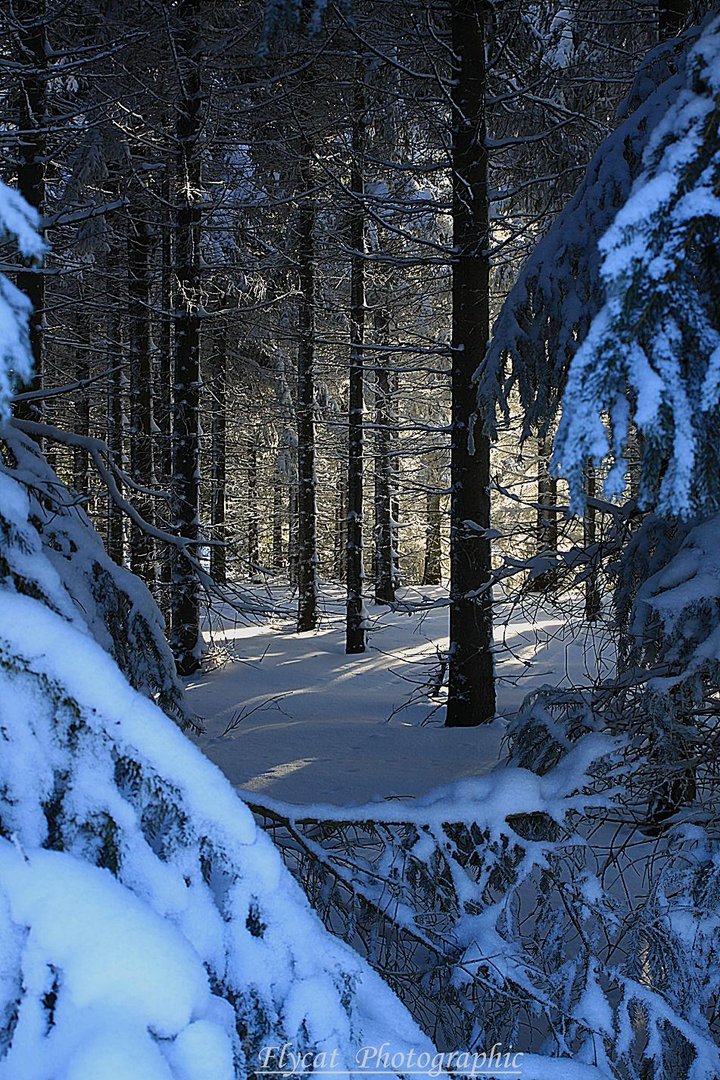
x=394, y=481
x=471, y=696
x=432, y=570
x=277, y=525
x=31, y=173
x=185, y=634
x=307, y=580
x=384, y=534
x=164, y=382
x=218, y=532
x=592, y=588
x=116, y=394
x=355, y=617
x=546, y=535
x=140, y=358
x=253, y=536
x=293, y=535
x=81, y=458
x=340, y=556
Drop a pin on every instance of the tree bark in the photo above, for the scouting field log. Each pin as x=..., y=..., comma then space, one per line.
x=277, y=523
x=307, y=579
x=592, y=588
x=355, y=617
x=185, y=635
x=116, y=442
x=394, y=480
x=81, y=458
x=293, y=535
x=384, y=561
x=546, y=535
x=164, y=380
x=140, y=357
x=471, y=696
x=432, y=569
x=340, y=556
x=218, y=437
x=253, y=531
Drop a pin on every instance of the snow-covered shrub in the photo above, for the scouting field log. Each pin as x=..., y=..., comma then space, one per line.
x=675, y=625
x=652, y=353
x=647, y=550
x=148, y=929
x=668, y=613
x=526, y=909
x=160, y=932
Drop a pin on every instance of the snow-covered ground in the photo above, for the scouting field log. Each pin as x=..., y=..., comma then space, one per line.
x=310, y=724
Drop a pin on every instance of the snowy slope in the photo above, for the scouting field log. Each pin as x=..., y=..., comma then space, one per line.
x=148, y=928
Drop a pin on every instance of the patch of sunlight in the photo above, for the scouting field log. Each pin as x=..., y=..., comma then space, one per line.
x=278, y=772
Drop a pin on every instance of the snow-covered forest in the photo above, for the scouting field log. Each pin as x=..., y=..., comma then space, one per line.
x=359, y=539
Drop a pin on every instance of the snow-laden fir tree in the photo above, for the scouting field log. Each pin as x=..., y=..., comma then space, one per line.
x=652, y=353
x=147, y=928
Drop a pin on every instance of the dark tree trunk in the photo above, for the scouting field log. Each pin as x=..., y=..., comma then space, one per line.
x=116, y=395
x=592, y=588
x=253, y=536
x=81, y=458
x=394, y=481
x=546, y=521
x=140, y=358
x=340, y=557
x=355, y=620
x=547, y=529
x=432, y=570
x=164, y=382
x=471, y=696
x=31, y=172
x=384, y=560
x=307, y=579
x=186, y=405
x=277, y=523
x=218, y=491
x=293, y=535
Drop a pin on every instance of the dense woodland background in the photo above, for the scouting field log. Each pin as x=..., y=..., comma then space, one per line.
x=277, y=241
x=369, y=295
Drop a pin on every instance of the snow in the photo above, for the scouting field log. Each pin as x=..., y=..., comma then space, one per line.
x=163, y=921
x=560, y=289
x=312, y=725
x=18, y=223
x=123, y=966
x=657, y=331
x=77, y=578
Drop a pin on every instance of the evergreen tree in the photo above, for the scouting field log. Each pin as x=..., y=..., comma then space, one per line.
x=652, y=353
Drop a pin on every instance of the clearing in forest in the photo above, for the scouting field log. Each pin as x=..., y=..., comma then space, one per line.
x=290, y=716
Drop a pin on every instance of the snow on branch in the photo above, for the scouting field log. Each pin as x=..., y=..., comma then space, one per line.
x=560, y=288
x=18, y=227
x=652, y=354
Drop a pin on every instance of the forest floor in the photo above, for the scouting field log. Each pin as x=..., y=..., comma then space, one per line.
x=290, y=716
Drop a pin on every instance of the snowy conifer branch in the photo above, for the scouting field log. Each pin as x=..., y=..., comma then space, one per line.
x=113, y=478
x=652, y=353
x=559, y=289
